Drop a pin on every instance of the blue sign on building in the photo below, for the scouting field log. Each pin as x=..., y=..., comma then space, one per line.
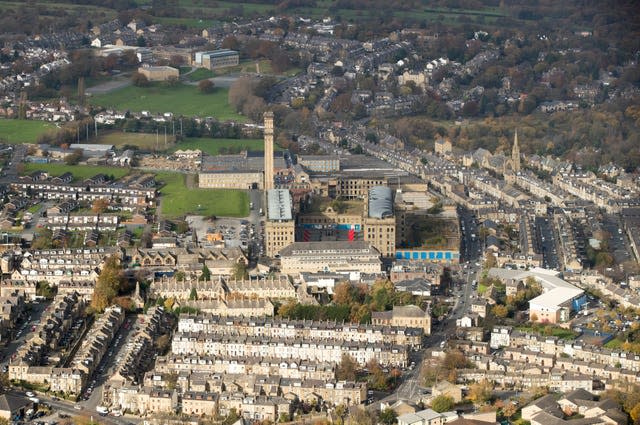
x=428, y=255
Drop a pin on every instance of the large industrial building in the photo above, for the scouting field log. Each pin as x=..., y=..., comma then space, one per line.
x=279, y=228
x=371, y=220
x=247, y=170
x=336, y=256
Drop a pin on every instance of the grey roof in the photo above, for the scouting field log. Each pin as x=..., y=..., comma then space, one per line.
x=328, y=247
x=220, y=53
x=380, y=202
x=11, y=403
x=91, y=147
x=279, y=204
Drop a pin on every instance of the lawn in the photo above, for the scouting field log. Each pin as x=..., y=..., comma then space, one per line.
x=23, y=131
x=80, y=172
x=178, y=201
x=200, y=74
x=181, y=99
x=614, y=344
x=549, y=330
x=144, y=141
x=214, y=146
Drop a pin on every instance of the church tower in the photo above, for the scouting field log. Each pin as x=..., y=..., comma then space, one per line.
x=515, y=154
x=268, y=150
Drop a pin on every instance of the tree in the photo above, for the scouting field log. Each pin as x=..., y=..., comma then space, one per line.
x=346, y=370
x=284, y=417
x=480, y=392
x=360, y=416
x=382, y=294
x=163, y=343
x=388, y=416
x=509, y=409
x=442, y=403
x=341, y=412
x=240, y=271
x=206, y=86
x=344, y=293
x=489, y=261
x=454, y=359
x=230, y=42
x=43, y=289
x=206, y=273
x=232, y=417
x=100, y=205
x=139, y=80
x=172, y=81
x=500, y=311
x=193, y=295
x=372, y=138
x=140, y=41
x=74, y=157
x=377, y=378
x=635, y=414
x=108, y=284
x=4, y=382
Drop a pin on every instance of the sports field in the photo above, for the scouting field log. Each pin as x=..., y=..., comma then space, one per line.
x=23, y=131
x=80, y=172
x=177, y=200
x=220, y=146
x=181, y=99
x=144, y=141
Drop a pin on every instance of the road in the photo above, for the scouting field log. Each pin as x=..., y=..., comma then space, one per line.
x=22, y=332
x=411, y=388
x=546, y=242
x=88, y=407
x=109, y=86
x=10, y=173
x=67, y=407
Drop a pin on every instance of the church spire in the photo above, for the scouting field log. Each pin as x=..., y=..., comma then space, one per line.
x=515, y=153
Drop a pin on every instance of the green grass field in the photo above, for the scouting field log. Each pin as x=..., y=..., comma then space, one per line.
x=181, y=100
x=200, y=74
x=144, y=141
x=177, y=200
x=213, y=146
x=80, y=172
x=23, y=131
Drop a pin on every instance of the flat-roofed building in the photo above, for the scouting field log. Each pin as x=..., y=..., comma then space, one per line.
x=320, y=163
x=330, y=256
x=217, y=58
x=279, y=227
x=380, y=222
x=159, y=73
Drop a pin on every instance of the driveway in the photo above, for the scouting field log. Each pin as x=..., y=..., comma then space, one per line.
x=109, y=86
